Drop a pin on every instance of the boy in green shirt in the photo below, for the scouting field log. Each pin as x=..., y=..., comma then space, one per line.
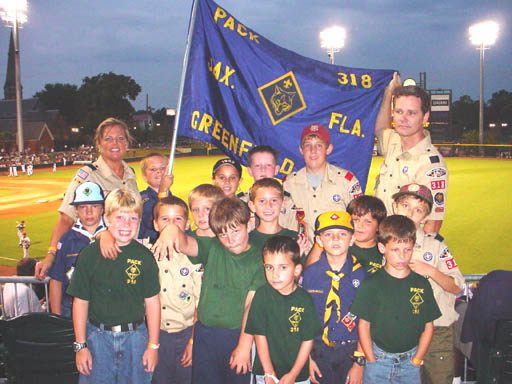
x=396, y=309
x=112, y=298
x=367, y=213
x=232, y=273
x=282, y=317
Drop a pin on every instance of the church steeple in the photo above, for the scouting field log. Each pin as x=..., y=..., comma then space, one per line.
x=10, y=76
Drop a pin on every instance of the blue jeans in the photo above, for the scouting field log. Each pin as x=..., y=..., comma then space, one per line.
x=117, y=356
x=395, y=368
x=169, y=369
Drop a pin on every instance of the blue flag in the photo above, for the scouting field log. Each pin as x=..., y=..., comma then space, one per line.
x=242, y=90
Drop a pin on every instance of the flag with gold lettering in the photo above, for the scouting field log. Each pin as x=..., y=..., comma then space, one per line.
x=242, y=90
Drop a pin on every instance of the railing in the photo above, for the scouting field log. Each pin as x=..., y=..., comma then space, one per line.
x=23, y=280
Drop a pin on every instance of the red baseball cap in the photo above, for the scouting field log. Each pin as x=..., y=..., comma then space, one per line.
x=317, y=130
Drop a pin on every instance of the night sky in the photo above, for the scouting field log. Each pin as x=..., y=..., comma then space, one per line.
x=64, y=41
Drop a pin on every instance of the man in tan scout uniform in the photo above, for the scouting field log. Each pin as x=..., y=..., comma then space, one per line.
x=319, y=186
x=409, y=156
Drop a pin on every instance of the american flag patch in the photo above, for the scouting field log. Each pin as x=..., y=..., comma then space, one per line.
x=82, y=174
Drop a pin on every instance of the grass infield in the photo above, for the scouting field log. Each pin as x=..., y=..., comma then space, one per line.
x=478, y=217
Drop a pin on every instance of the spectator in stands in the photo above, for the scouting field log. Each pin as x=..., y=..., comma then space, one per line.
x=22, y=298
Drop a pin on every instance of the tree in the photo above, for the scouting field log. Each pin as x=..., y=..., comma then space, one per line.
x=500, y=107
x=63, y=97
x=465, y=114
x=106, y=95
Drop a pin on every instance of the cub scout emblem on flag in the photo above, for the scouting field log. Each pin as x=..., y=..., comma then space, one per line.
x=132, y=271
x=282, y=98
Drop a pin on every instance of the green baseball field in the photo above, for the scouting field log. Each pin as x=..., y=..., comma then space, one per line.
x=476, y=228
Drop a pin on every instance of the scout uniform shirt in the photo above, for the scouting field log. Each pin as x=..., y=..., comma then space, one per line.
x=180, y=285
x=337, y=189
x=431, y=249
x=100, y=173
x=422, y=164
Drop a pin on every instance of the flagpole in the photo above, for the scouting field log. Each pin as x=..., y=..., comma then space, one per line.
x=182, y=85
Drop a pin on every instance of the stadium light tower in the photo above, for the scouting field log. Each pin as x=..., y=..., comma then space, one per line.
x=13, y=13
x=482, y=35
x=332, y=39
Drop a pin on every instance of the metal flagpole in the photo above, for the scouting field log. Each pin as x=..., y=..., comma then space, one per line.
x=182, y=85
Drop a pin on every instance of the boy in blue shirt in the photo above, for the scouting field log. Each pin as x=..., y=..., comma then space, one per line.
x=88, y=202
x=333, y=282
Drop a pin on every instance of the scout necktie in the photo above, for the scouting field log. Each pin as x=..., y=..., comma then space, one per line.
x=333, y=298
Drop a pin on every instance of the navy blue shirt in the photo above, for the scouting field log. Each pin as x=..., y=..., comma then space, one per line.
x=149, y=198
x=318, y=284
x=68, y=248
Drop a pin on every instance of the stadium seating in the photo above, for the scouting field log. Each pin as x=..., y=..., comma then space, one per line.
x=39, y=349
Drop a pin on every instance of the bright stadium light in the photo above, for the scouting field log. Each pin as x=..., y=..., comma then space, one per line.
x=482, y=35
x=332, y=39
x=13, y=13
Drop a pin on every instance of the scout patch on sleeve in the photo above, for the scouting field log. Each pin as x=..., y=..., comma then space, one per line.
x=450, y=263
x=437, y=184
x=436, y=172
x=445, y=254
x=82, y=174
x=434, y=159
x=439, y=198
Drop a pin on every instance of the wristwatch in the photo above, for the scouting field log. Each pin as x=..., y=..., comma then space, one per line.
x=360, y=360
x=78, y=346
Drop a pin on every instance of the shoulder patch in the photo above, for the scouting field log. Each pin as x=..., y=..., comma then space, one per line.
x=82, y=174
x=349, y=176
x=439, y=237
x=434, y=159
x=436, y=172
x=287, y=194
x=240, y=195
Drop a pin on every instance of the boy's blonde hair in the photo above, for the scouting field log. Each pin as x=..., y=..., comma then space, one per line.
x=266, y=183
x=169, y=200
x=398, y=228
x=206, y=191
x=228, y=213
x=144, y=162
x=123, y=200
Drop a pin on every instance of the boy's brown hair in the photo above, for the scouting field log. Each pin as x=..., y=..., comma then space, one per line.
x=124, y=200
x=398, y=228
x=169, y=200
x=285, y=245
x=228, y=213
x=144, y=162
x=205, y=191
x=261, y=149
x=267, y=182
x=364, y=204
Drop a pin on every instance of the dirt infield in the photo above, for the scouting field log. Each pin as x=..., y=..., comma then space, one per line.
x=30, y=196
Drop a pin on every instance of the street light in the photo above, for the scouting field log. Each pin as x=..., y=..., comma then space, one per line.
x=482, y=35
x=13, y=14
x=332, y=39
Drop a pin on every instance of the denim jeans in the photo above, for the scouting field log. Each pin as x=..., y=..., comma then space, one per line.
x=333, y=362
x=395, y=368
x=117, y=356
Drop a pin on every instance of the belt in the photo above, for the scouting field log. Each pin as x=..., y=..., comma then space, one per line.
x=333, y=343
x=125, y=327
